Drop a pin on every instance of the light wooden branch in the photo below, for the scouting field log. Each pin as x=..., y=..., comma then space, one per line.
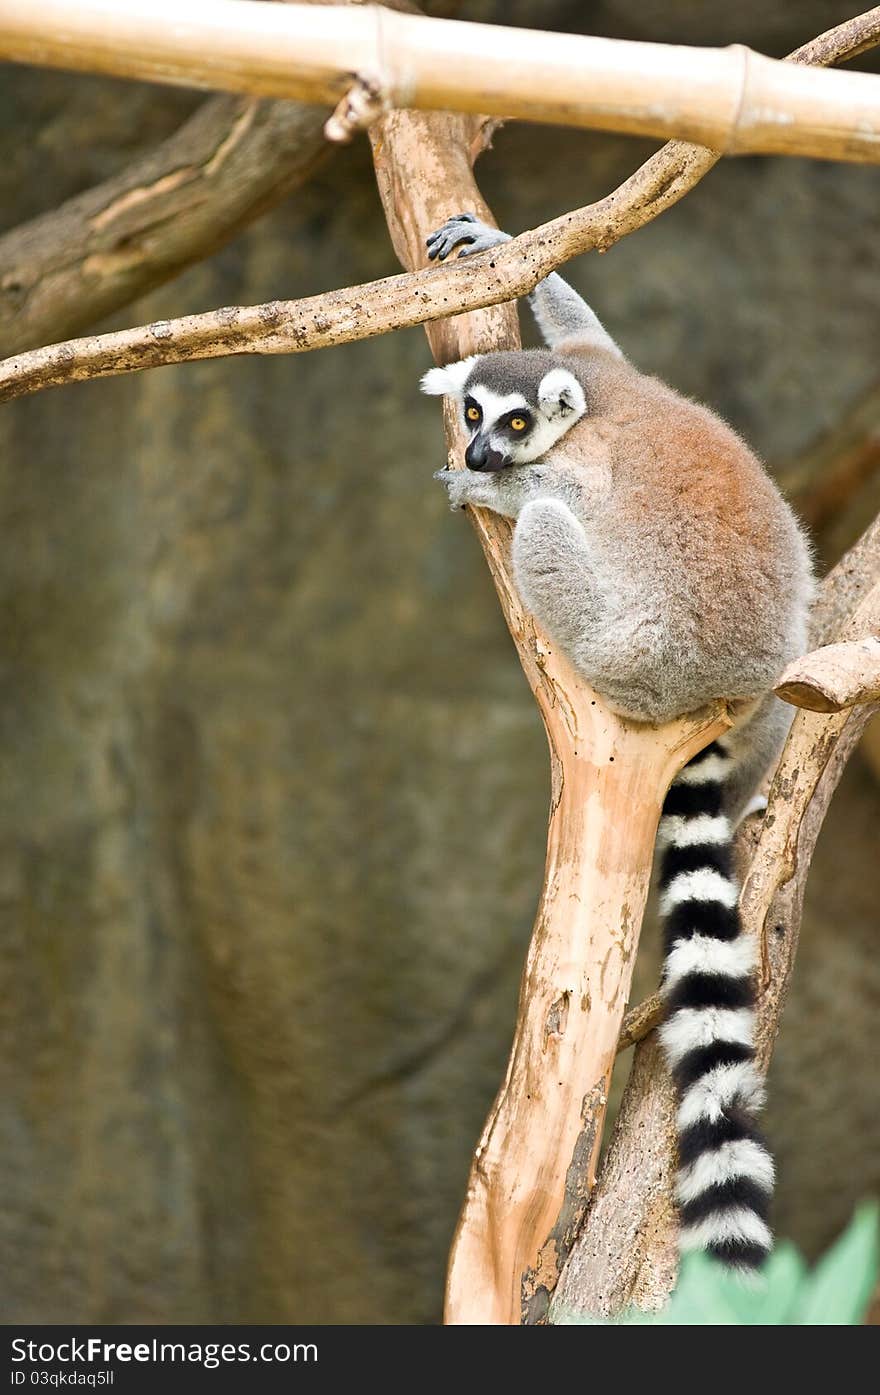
x=837, y=676
x=731, y=99
x=626, y=1251
x=536, y=1160
x=608, y=779
x=360, y=312
x=231, y=161
x=807, y=752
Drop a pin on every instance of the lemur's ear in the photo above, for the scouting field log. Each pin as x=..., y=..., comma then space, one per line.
x=442, y=382
x=560, y=395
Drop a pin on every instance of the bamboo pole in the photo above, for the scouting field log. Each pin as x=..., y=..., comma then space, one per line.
x=732, y=99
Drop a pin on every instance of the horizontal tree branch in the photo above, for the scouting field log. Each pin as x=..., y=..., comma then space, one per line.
x=731, y=99
x=232, y=160
x=361, y=312
x=837, y=676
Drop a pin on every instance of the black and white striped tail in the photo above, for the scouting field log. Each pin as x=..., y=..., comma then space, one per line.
x=725, y=1173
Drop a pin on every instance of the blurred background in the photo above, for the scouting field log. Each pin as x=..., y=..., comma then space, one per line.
x=273, y=795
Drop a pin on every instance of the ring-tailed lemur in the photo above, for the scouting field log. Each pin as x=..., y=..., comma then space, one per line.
x=660, y=556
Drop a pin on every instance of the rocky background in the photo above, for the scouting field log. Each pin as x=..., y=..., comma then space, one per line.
x=273, y=791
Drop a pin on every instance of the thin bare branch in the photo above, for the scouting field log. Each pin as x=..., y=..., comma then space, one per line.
x=845, y=588
x=230, y=162
x=361, y=312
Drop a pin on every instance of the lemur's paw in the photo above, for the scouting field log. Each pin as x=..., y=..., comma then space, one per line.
x=466, y=231
x=456, y=484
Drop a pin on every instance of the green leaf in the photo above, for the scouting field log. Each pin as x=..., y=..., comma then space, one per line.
x=839, y=1289
x=784, y=1279
x=707, y=1295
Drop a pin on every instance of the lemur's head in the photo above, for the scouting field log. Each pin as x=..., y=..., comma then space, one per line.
x=515, y=405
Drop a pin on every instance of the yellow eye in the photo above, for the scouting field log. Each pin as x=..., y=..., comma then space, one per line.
x=473, y=414
x=518, y=423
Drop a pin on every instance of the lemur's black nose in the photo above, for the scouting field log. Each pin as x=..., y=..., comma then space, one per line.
x=480, y=456
x=475, y=455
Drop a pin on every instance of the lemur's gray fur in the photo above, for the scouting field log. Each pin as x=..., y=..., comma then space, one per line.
x=649, y=541
x=659, y=555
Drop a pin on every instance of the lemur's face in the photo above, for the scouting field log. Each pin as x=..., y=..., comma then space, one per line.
x=515, y=406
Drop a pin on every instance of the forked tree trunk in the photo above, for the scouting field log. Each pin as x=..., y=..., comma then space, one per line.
x=535, y=1162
